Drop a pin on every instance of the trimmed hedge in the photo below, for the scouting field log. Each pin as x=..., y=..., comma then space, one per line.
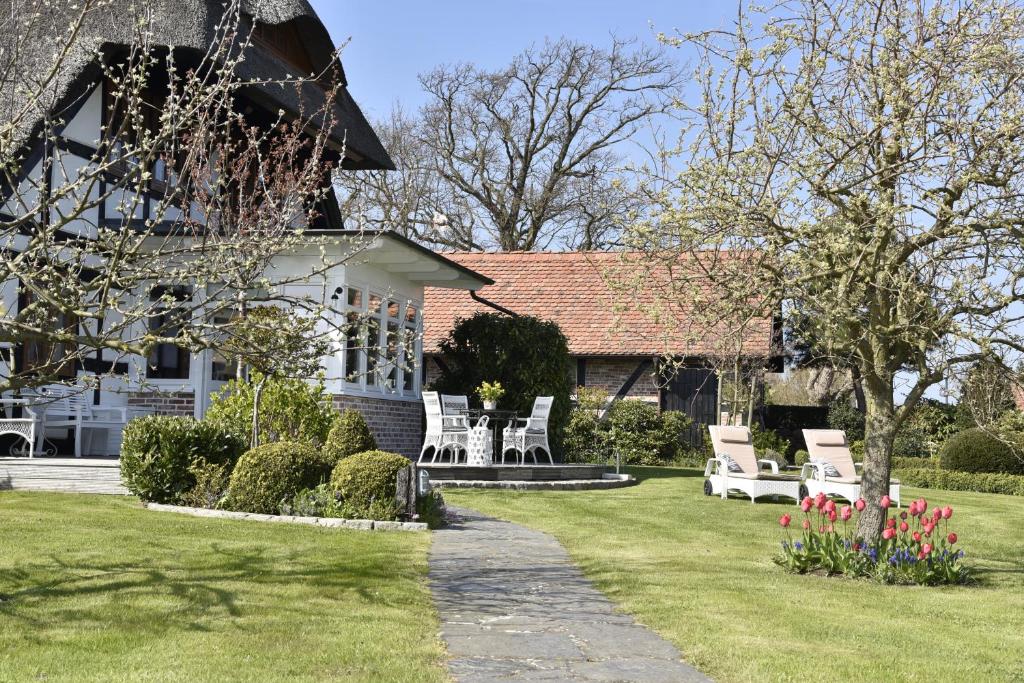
x=975, y=450
x=349, y=435
x=158, y=453
x=978, y=482
x=271, y=474
x=367, y=483
x=900, y=462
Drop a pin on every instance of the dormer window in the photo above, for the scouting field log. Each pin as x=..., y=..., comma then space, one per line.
x=284, y=41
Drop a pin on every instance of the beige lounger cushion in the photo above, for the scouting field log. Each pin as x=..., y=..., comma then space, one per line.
x=739, y=447
x=830, y=445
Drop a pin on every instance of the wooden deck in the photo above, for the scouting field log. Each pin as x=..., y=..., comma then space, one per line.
x=70, y=475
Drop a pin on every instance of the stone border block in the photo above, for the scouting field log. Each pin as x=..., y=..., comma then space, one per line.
x=328, y=522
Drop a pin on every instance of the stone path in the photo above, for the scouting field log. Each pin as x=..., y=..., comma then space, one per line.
x=514, y=608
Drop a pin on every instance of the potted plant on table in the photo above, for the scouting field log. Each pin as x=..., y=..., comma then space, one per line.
x=490, y=393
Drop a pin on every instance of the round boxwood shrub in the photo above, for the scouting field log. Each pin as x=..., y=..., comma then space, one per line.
x=273, y=473
x=367, y=483
x=349, y=435
x=975, y=450
x=159, y=452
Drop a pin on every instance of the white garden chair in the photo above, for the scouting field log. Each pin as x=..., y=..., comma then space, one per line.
x=454, y=405
x=24, y=426
x=444, y=432
x=531, y=433
x=69, y=407
x=735, y=467
x=831, y=469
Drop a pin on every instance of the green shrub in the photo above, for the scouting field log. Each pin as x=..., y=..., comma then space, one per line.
x=584, y=440
x=319, y=501
x=801, y=457
x=349, y=435
x=935, y=420
x=367, y=483
x=431, y=510
x=857, y=450
x=979, y=482
x=901, y=462
x=911, y=442
x=290, y=410
x=767, y=440
x=641, y=435
x=211, y=484
x=273, y=473
x=842, y=415
x=776, y=457
x=976, y=450
x=157, y=452
x=528, y=356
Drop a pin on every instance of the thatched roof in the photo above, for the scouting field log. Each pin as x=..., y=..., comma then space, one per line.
x=187, y=26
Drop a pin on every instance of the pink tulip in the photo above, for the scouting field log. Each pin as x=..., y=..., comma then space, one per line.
x=888, y=533
x=830, y=506
x=922, y=505
x=819, y=500
x=947, y=512
x=859, y=504
x=806, y=504
x=936, y=514
x=886, y=502
x=951, y=538
x=916, y=536
x=807, y=524
x=921, y=555
x=913, y=508
x=904, y=527
x=926, y=549
x=832, y=515
x=845, y=513
x=784, y=520
x=890, y=523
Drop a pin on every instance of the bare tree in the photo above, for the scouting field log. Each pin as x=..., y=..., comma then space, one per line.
x=525, y=157
x=865, y=155
x=164, y=230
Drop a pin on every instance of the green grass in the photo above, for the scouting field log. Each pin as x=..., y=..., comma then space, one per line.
x=698, y=570
x=95, y=588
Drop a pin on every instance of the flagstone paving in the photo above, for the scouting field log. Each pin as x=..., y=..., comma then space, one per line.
x=515, y=608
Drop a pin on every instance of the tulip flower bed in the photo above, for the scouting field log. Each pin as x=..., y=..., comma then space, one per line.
x=917, y=547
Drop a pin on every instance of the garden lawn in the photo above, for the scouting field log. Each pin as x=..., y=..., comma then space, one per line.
x=97, y=588
x=698, y=570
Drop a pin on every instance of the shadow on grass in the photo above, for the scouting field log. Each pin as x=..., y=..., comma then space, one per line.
x=212, y=585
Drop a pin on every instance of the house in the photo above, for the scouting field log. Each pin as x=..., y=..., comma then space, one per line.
x=616, y=344
x=384, y=282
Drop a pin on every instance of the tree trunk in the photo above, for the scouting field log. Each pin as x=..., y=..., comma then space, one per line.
x=858, y=389
x=879, y=435
x=257, y=394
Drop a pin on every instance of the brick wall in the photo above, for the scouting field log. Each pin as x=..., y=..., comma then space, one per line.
x=163, y=403
x=397, y=425
x=609, y=374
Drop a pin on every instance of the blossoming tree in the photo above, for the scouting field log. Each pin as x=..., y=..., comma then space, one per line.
x=867, y=157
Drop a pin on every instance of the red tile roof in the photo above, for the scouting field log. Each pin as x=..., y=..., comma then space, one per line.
x=575, y=290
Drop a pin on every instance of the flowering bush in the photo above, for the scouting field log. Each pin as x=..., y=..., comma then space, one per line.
x=916, y=546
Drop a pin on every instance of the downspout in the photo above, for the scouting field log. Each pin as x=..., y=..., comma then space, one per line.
x=498, y=307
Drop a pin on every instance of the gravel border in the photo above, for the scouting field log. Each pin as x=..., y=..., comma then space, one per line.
x=329, y=522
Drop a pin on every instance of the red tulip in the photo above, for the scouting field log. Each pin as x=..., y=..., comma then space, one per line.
x=951, y=538
x=904, y=526
x=916, y=536
x=819, y=500
x=784, y=520
x=859, y=504
x=830, y=505
x=922, y=504
x=856, y=547
x=936, y=514
x=921, y=555
x=926, y=549
x=806, y=504
x=903, y=515
x=890, y=523
x=947, y=512
x=807, y=524
x=888, y=533
x=845, y=513
x=832, y=515
x=886, y=502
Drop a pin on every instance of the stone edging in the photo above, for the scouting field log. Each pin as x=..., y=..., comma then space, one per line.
x=329, y=522
x=567, y=485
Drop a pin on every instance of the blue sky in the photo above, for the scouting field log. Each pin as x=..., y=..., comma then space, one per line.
x=394, y=40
